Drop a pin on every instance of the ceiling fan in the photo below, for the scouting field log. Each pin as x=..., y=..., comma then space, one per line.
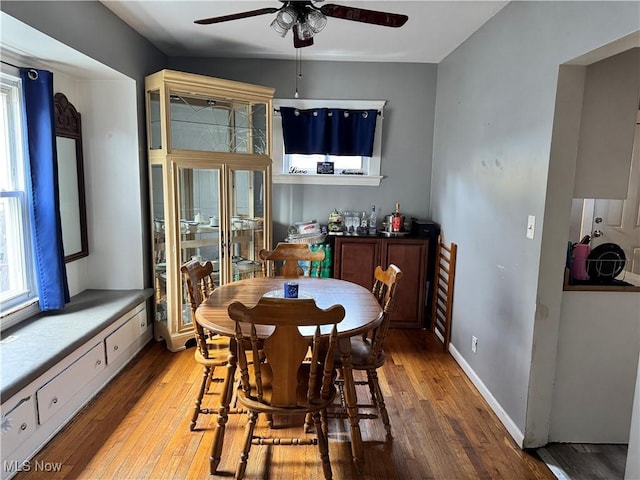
x=305, y=19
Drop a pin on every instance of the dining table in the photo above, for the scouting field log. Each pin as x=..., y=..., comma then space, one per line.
x=362, y=313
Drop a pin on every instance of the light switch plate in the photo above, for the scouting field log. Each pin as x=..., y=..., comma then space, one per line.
x=531, y=226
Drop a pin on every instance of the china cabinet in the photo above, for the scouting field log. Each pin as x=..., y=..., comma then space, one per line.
x=209, y=146
x=356, y=258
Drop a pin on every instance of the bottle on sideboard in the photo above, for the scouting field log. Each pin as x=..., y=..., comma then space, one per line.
x=397, y=220
x=373, y=223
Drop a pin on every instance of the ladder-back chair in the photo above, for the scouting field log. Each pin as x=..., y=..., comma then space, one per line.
x=286, y=384
x=291, y=254
x=443, y=283
x=367, y=352
x=212, y=351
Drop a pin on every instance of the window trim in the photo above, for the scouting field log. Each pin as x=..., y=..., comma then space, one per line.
x=372, y=179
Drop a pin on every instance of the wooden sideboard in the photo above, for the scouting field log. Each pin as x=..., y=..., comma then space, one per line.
x=356, y=258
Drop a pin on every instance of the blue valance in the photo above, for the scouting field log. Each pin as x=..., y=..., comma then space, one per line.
x=46, y=229
x=328, y=131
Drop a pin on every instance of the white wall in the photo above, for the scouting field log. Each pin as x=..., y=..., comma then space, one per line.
x=495, y=108
x=115, y=223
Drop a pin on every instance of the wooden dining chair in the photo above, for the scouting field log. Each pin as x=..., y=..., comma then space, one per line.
x=367, y=352
x=212, y=351
x=291, y=254
x=286, y=384
x=443, y=283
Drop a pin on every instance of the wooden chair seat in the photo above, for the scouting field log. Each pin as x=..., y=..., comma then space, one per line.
x=363, y=356
x=303, y=406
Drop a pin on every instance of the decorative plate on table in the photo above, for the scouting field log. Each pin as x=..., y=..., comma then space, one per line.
x=280, y=294
x=605, y=262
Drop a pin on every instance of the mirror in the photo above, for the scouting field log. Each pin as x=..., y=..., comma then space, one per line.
x=73, y=211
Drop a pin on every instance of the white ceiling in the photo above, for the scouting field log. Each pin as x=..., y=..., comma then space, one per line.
x=434, y=29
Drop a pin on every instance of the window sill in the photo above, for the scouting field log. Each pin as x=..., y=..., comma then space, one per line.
x=356, y=180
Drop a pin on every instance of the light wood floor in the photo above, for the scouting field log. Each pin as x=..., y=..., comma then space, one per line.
x=138, y=428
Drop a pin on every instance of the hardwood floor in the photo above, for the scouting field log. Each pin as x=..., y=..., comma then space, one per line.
x=138, y=427
x=584, y=461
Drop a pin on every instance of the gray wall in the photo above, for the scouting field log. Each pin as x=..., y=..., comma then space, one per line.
x=407, y=132
x=495, y=112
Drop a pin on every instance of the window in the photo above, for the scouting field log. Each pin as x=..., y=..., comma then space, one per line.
x=17, y=281
x=302, y=169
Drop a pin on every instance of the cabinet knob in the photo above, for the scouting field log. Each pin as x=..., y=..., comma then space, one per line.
x=54, y=400
x=115, y=347
x=99, y=362
x=23, y=426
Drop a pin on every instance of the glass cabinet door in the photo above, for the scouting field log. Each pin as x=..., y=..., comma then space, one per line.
x=247, y=222
x=211, y=124
x=199, y=223
x=159, y=243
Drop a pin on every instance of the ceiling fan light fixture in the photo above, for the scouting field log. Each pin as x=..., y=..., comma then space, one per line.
x=285, y=19
x=316, y=20
x=278, y=28
x=305, y=32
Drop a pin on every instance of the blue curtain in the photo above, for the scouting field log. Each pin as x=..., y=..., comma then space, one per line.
x=329, y=131
x=46, y=231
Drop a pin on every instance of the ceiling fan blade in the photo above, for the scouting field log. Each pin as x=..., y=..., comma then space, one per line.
x=297, y=42
x=366, y=16
x=236, y=16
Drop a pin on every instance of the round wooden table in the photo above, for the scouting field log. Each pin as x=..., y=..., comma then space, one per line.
x=362, y=313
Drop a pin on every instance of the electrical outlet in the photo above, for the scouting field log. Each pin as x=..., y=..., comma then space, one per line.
x=474, y=344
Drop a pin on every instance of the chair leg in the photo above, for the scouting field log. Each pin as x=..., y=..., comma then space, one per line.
x=248, y=437
x=206, y=375
x=323, y=446
x=372, y=375
x=223, y=412
x=209, y=380
x=308, y=419
x=325, y=422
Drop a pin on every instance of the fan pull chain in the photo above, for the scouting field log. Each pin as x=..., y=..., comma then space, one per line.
x=298, y=70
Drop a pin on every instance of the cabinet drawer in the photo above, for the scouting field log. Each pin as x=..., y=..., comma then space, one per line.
x=127, y=334
x=18, y=425
x=54, y=395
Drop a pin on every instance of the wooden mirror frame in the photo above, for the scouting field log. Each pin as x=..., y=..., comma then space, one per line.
x=68, y=125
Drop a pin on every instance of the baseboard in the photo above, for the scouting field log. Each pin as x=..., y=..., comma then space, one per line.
x=504, y=418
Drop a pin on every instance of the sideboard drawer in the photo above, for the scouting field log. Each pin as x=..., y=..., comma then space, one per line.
x=56, y=393
x=17, y=425
x=118, y=342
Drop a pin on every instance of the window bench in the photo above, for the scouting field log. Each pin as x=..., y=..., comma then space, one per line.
x=54, y=363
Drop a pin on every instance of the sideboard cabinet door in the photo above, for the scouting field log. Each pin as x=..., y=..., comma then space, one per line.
x=410, y=255
x=356, y=259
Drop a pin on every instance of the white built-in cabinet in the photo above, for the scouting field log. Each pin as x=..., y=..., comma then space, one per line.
x=34, y=414
x=209, y=147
